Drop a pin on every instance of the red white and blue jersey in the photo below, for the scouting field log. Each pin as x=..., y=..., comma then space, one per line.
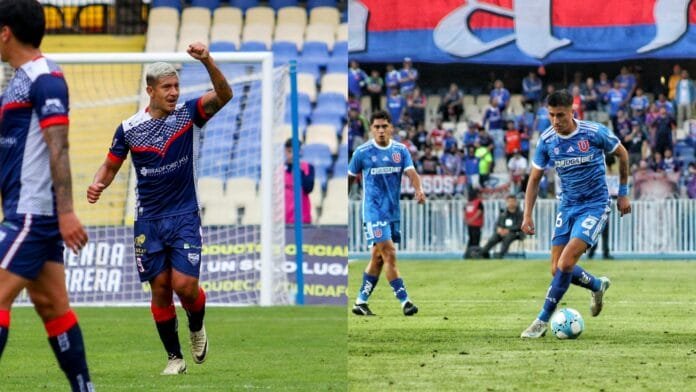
x=35, y=98
x=579, y=161
x=164, y=152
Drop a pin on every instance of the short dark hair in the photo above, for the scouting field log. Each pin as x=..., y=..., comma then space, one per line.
x=380, y=115
x=26, y=20
x=560, y=98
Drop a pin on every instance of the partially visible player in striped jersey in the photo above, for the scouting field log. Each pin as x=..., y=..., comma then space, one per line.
x=163, y=141
x=36, y=188
x=381, y=162
x=576, y=149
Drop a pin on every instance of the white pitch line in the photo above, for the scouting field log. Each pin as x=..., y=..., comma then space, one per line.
x=496, y=301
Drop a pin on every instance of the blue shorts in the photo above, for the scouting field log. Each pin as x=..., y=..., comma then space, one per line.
x=169, y=242
x=26, y=244
x=380, y=231
x=583, y=222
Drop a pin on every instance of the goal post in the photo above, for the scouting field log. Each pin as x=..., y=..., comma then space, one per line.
x=242, y=198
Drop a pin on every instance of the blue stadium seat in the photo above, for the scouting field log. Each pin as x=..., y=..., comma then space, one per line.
x=253, y=46
x=283, y=52
x=341, y=166
x=304, y=105
x=315, y=53
x=340, y=50
x=167, y=3
x=223, y=46
x=309, y=68
x=209, y=4
x=319, y=155
x=331, y=103
x=302, y=122
x=684, y=153
x=278, y=4
x=321, y=3
x=244, y=4
x=331, y=119
x=337, y=65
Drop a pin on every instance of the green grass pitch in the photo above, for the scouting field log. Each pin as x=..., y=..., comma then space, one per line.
x=466, y=334
x=251, y=348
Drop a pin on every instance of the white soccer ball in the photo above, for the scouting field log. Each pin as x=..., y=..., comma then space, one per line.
x=567, y=323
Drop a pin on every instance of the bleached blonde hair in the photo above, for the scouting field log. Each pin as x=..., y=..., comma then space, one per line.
x=158, y=70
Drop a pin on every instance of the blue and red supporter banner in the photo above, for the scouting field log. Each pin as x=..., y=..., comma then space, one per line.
x=521, y=32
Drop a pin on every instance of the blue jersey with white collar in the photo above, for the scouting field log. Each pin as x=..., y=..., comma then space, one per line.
x=579, y=161
x=381, y=169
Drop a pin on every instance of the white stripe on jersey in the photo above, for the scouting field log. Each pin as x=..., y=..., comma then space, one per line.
x=35, y=196
x=548, y=132
x=17, y=242
x=591, y=126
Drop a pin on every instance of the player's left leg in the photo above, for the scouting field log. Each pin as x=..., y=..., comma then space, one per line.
x=370, y=279
x=388, y=251
x=50, y=299
x=559, y=285
x=192, y=298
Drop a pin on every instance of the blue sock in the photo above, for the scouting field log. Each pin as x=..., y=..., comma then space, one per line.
x=399, y=290
x=368, y=285
x=4, y=332
x=559, y=286
x=4, y=328
x=585, y=279
x=66, y=341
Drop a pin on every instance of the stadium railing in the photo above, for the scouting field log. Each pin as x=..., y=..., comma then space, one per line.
x=436, y=230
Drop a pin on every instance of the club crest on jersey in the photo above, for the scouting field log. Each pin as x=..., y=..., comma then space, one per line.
x=556, y=150
x=584, y=145
x=378, y=233
x=396, y=157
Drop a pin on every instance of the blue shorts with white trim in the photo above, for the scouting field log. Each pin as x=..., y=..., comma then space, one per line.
x=27, y=243
x=585, y=222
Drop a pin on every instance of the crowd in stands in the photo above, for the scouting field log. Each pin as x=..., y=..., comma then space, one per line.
x=464, y=138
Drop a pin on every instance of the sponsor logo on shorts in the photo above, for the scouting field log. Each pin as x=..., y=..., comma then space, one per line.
x=140, y=240
x=139, y=263
x=378, y=233
x=194, y=258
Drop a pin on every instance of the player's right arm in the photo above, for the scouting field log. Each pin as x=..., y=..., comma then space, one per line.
x=541, y=159
x=530, y=197
x=105, y=175
x=108, y=170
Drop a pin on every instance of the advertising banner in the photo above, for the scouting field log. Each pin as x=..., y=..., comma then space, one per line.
x=105, y=272
x=520, y=32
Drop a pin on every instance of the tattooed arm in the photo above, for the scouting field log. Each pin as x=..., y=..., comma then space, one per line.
x=71, y=230
x=222, y=92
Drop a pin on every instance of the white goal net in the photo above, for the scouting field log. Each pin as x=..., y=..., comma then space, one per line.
x=239, y=167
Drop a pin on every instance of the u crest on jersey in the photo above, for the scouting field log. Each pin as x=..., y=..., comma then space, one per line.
x=584, y=145
x=396, y=157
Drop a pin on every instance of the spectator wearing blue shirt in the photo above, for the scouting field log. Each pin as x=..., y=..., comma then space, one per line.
x=408, y=77
x=603, y=87
x=451, y=162
x=356, y=79
x=663, y=102
x=615, y=98
x=492, y=117
x=471, y=167
x=531, y=89
x=541, y=120
x=685, y=98
x=590, y=97
x=639, y=105
x=395, y=105
x=391, y=78
x=471, y=136
x=501, y=94
x=627, y=82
